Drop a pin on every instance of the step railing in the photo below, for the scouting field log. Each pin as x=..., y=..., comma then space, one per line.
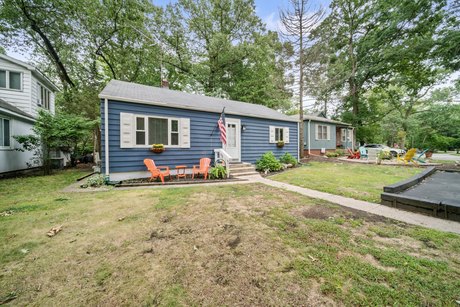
x=220, y=154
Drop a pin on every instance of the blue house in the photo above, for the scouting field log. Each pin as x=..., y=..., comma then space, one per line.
x=134, y=116
x=325, y=135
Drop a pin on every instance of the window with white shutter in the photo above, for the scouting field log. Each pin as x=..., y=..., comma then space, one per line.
x=144, y=131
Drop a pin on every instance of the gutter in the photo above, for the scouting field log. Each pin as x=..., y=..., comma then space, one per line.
x=14, y=114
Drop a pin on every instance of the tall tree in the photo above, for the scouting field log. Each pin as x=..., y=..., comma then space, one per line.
x=298, y=21
x=368, y=42
x=221, y=48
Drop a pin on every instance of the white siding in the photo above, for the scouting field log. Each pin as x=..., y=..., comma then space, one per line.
x=11, y=159
x=20, y=99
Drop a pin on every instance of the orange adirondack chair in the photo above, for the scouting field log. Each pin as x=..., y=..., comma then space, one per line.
x=203, y=168
x=156, y=171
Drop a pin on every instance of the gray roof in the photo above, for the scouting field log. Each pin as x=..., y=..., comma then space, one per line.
x=7, y=106
x=320, y=119
x=137, y=93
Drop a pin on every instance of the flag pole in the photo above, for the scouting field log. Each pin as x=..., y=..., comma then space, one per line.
x=223, y=110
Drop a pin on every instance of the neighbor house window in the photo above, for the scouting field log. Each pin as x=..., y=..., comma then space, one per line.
x=157, y=130
x=5, y=133
x=44, y=97
x=10, y=80
x=322, y=132
x=279, y=134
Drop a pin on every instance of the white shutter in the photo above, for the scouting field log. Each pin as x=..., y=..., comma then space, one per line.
x=328, y=132
x=272, y=134
x=185, y=132
x=127, y=134
x=286, y=135
x=316, y=131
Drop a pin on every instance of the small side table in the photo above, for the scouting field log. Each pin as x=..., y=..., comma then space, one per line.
x=180, y=171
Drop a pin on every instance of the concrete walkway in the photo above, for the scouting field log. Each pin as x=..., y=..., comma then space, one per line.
x=393, y=213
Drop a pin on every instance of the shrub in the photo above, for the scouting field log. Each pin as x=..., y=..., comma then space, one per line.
x=96, y=181
x=268, y=162
x=332, y=154
x=287, y=158
x=341, y=152
x=218, y=172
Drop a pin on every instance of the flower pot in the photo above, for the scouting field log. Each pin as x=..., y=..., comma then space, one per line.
x=157, y=150
x=428, y=154
x=280, y=144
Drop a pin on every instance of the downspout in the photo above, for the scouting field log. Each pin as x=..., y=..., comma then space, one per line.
x=106, y=138
x=309, y=134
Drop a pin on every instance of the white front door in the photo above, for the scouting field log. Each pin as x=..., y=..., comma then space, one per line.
x=233, y=147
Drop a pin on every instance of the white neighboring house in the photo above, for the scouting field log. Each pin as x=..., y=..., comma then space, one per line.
x=23, y=91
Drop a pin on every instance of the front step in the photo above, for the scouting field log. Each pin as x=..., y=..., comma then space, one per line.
x=242, y=169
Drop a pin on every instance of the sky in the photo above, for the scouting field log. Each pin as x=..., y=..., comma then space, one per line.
x=267, y=10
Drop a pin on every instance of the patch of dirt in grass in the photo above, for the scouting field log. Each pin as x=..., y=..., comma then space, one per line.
x=226, y=257
x=323, y=212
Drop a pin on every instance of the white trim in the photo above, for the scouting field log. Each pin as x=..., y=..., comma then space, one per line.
x=284, y=133
x=327, y=132
x=238, y=135
x=106, y=132
x=14, y=114
x=10, y=123
x=141, y=101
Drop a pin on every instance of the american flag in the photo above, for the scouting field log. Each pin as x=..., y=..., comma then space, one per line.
x=222, y=128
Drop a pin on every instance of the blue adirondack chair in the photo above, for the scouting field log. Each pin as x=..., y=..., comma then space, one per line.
x=363, y=152
x=419, y=158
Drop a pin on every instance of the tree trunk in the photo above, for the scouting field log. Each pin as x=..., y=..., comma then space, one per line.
x=301, y=135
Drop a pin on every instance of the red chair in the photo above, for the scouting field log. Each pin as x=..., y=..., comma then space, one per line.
x=353, y=155
x=156, y=171
x=203, y=168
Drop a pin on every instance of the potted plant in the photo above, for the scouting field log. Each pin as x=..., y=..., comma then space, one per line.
x=429, y=153
x=157, y=148
x=280, y=144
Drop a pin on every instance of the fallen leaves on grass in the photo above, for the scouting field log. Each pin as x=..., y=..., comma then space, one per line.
x=54, y=231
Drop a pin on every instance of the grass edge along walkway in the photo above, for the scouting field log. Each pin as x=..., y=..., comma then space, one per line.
x=393, y=213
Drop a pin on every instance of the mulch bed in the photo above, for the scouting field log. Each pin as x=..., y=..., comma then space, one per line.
x=145, y=182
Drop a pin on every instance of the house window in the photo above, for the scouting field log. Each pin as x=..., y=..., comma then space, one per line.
x=140, y=131
x=279, y=135
x=322, y=132
x=5, y=133
x=44, y=96
x=10, y=80
x=2, y=78
x=157, y=130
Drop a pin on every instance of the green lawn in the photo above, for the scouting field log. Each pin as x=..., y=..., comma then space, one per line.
x=245, y=244
x=359, y=181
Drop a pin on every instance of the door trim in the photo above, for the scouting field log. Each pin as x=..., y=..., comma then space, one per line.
x=238, y=134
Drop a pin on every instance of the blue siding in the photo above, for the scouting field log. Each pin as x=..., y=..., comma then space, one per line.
x=318, y=144
x=254, y=140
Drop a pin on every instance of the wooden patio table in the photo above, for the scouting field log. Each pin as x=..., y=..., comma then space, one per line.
x=181, y=171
